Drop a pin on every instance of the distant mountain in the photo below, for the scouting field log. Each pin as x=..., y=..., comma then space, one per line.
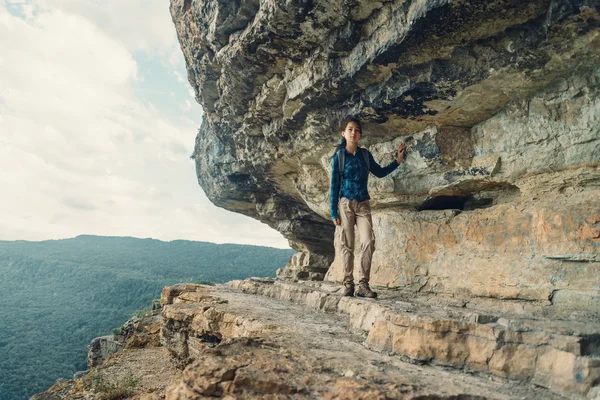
x=57, y=295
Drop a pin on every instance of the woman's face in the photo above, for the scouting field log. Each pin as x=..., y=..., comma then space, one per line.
x=352, y=132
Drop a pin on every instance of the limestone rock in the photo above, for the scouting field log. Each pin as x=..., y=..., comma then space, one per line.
x=136, y=332
x=271, y=338
x=259, y=348
x=101, y=347
x=539, y=343
x=140, y=369
x=498, y=102
x=512, y=250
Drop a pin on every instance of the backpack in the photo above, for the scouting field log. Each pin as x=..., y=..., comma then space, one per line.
x=342, y=160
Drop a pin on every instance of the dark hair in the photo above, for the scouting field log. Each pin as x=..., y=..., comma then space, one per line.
x=342, y=142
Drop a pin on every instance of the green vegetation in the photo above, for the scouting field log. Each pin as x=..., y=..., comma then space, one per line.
x=58, y=295
x=120, y=389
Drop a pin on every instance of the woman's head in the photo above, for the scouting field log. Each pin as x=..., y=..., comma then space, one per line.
x=350, y=127
x=350, y=130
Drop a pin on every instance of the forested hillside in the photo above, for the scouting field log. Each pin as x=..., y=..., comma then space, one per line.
x=57, y=295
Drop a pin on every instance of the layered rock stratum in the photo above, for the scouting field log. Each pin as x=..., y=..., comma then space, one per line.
x=498, y=101
x=275, y=339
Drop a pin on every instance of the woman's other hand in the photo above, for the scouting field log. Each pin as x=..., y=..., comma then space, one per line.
x=337, y=221
x=401, y=152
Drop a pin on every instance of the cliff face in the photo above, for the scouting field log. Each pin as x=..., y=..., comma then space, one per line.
x=499, y=104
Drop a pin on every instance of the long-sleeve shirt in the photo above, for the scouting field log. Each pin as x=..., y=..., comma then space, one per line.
x=353, y=184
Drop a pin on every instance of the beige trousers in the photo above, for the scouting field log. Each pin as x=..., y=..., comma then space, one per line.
x=354, y=213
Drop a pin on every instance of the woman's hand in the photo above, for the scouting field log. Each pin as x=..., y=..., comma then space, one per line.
x=337, y=221
x=401, y=152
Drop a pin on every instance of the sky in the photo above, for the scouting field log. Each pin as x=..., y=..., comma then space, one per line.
x=97, y=125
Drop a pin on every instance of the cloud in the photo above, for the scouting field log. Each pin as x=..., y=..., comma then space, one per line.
x=77, y=204
x=86, y=146
x=187, y=106
x=141, y=25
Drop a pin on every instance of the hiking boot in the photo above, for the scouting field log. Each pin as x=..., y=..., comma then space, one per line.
x=365, y=291
x=348, y=289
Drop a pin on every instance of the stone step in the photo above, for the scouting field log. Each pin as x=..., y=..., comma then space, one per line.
x=248, y=346
x=532, y=342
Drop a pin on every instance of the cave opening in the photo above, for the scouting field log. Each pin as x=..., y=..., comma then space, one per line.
x=590, y=345
x=211, y=339
x=459, y=202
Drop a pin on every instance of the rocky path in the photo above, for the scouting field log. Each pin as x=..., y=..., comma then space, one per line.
x=282, y=340
x=536, y=342
x=276, y=349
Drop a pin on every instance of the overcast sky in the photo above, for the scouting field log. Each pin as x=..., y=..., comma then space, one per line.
x=97, y=123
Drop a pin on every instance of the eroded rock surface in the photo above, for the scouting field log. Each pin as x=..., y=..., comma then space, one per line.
x=140, y=369
x=549, y=345
x=101, y=347
x=274, y=339
x=497, y=100
x=249, y=346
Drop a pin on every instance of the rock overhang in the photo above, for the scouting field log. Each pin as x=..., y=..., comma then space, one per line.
x=274, y=79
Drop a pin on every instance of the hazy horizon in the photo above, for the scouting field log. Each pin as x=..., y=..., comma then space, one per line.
x=141, y=238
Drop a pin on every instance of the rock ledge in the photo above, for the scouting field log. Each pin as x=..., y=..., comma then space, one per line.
x=265, y=338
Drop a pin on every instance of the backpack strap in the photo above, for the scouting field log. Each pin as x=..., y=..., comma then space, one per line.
x=341, y=163
x=365, y=154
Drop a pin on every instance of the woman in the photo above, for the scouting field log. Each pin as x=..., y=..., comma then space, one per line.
x=350, y=202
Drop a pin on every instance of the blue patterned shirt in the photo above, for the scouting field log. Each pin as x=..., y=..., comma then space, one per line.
x=353, y=185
